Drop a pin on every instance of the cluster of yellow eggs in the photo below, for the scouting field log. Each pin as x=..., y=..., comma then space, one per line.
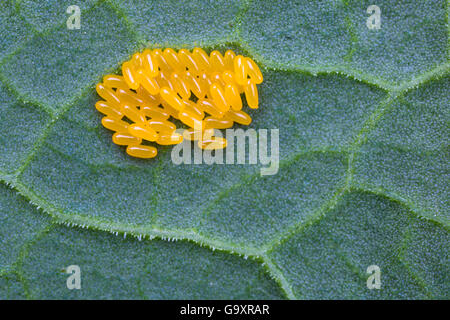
x=202, y=91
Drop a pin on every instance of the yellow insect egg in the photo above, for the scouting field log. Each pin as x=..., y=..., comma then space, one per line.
x=238, y=116
x=228, y=78
x=133, y=113
x=149, y=99
x=136, y=61
x=161, y=125
x=228, y=59
x=150, y=63
x=141, y=130
x=213, y=143
x=106, y=108
x=218, y=96
x=125, y=139
x=108, y=94
x=194, y=108
x=204, y=82
x=115, y=81
x=214, y=123
x=163, y=80
x=180, y=86
x=194, y=85
x=204, y=92
x=162, y=62
x=168, y=138
x=129, y=75
x=148, y=83
x=129, y=97
x=240, y=70
x=190, y=119
x=193, y=135
x=172, y=98
x=201, y=58
x=217, y=78
x=167, y=108
x=188, y=61
x=208, y=106
x=115, y=124
x=232, y=96
x=217, y=61
x=251, y=94
x=140, y=151
x=155, y=113
x=172, y=59
x=253, y=71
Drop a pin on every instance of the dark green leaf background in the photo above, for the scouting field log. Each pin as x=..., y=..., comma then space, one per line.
x=364, y=129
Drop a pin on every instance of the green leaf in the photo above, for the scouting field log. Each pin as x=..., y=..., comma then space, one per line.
x=363, y=129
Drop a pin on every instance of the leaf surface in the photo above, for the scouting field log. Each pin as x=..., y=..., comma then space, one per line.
x=363, y=132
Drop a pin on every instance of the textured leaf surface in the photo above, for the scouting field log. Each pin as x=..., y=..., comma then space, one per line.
x=363, y=178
